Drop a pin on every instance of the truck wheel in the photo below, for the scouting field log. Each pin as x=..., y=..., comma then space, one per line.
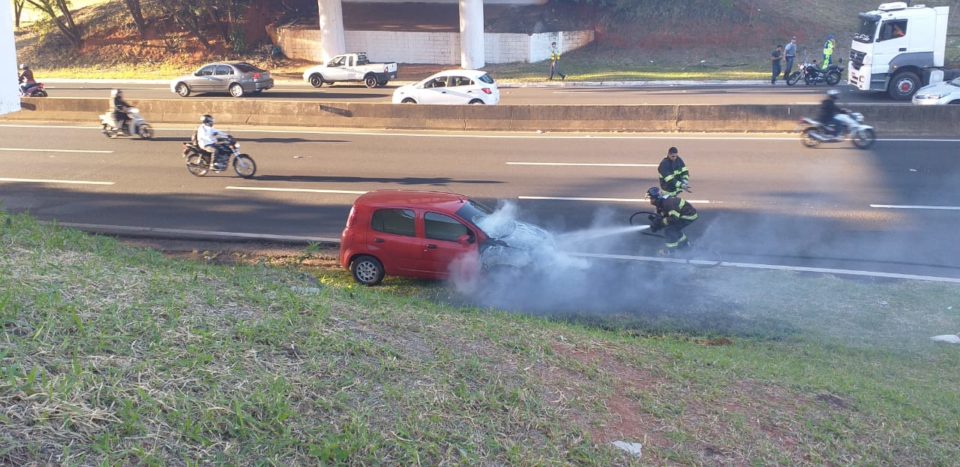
x=903, y=85
x=370, y=81
x=316, y=80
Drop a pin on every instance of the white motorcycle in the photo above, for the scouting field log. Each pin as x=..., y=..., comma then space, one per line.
x=852, y=128
x=136, y=125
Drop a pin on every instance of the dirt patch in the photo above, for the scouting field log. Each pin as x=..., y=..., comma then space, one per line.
x=230, y=253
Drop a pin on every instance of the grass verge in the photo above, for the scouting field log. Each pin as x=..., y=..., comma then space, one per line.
x=118, y=355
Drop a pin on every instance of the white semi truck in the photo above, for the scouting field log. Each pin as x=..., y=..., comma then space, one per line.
x=899, y=48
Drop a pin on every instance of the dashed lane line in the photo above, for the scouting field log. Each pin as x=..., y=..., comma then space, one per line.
x=579, y=164
x=296, y=190
x=62, y=182
x=80, y=151
x=606, y=200
x=919, y=207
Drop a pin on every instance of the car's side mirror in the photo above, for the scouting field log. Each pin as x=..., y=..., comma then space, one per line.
x=466, y=239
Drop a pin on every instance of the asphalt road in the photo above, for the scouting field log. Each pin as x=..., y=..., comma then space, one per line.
x=552, y=95
x=762, y=199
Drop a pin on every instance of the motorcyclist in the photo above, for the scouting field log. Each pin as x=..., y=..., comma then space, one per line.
x=674, y=176
x=673, y=215
x=207, y=139
x=120, y=109
x=829, y=111
x=25, y=78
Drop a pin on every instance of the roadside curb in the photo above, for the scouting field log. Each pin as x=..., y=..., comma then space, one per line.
x=502, y=84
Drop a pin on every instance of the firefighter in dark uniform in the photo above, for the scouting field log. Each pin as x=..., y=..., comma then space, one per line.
x=673, y=215
x=674, y=176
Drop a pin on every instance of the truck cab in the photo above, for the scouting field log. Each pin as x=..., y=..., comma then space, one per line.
x=898, y=48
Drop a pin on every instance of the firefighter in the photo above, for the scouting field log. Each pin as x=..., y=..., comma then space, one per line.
x=674, y=176
x=673, y=215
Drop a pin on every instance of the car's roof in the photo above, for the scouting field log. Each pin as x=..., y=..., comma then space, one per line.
x=468, y=73
x=411, y=198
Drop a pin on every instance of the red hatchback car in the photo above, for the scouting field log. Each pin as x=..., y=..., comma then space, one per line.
x=430, y=235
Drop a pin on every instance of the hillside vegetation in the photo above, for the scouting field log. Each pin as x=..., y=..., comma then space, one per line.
x=702, y=38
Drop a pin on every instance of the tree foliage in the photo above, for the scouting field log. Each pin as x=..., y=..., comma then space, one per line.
x=59, y=13
x=205, y=19
x=136, y=12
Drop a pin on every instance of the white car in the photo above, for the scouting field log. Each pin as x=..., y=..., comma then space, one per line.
x=454, y=87
x=944, y=92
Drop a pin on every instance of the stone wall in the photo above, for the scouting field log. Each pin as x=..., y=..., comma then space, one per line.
x=430, y=47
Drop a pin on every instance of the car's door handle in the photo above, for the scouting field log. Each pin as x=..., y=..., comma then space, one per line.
x=378, y=240
x=903, y=49
x=431, y=247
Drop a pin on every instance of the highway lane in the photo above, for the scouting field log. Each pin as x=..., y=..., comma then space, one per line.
x=553, y=95
x=762, y=199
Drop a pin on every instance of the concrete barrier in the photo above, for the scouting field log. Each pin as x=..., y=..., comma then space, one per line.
x=889, y=120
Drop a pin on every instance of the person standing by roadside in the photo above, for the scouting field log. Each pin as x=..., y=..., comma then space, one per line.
x=828, y=52
x=776, y=56
x=790, y=54
x=555, y=62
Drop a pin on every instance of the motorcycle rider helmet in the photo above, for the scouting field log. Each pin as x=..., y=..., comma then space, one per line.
x=24, y=66
x=833, y=94
x=116, y=92
x=654, y=193
x=206, y=119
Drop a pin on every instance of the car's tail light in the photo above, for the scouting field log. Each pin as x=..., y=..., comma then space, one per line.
x=487, y=91
x=256, y=76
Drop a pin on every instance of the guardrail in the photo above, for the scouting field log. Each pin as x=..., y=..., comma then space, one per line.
x=889, y=120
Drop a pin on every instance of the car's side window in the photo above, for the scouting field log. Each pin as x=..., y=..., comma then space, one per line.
x=893, y=30
x=224, y=70
x=460, y=81
x=207, y=70
x=441, y=227
x=395, y=221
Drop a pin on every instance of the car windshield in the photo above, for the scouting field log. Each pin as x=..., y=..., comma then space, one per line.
x=486, y=79
x=868, y=29
x=247, y=68
x=484, y=219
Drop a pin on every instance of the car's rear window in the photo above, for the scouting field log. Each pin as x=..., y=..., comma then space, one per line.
x=394, y=221
x=486, y=79
x=441, y=227
x=247, y=68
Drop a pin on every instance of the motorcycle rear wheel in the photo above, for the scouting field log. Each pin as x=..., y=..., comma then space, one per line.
x=244, y=165
x=833, y=78
x=864, y=138
x=196, y=165
x=806, y=137
x=793, y=79
x=106, y=130
x=145, y=131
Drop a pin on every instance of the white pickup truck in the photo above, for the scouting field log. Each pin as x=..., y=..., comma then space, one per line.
x=351, y=67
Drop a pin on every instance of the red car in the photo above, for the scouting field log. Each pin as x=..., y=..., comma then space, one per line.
x=431, y=235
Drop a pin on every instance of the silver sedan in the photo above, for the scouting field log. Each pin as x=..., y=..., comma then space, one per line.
x=236, y=78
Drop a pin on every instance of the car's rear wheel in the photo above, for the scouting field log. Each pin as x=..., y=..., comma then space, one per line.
x=316, y=80
x=236, y=90
x=476, y=101
x=408, y=100
x=370, y=81
x=182, y=90
x=367, y=270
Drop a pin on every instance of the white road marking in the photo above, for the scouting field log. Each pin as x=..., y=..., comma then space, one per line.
x=65, y=182
x=935, y=208
x=296, y=190
x=83, y=151
x=606, y=200
x=580, y=164
x=547, y=135
x=199, y=233
x=776, y=267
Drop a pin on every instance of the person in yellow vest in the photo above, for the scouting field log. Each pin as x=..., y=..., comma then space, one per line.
x=555, y=62
x=828, y=52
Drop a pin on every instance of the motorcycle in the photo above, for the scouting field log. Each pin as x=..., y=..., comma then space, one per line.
x=201, y=162
x=135, y=125
x=813, y=74
x=852, y=127
x=37, y=90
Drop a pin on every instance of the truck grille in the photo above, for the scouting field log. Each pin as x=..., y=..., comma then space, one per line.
x=856, y=59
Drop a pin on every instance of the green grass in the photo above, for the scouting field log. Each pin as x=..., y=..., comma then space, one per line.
x=114, y=355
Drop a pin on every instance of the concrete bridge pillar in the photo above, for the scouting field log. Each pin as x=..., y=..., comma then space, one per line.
x=471, y=34
x=331, y=29
x=9, y=97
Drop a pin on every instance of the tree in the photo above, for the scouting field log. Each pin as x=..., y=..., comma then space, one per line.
x=137, y=13
x=17, y=11
x=59, y=12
